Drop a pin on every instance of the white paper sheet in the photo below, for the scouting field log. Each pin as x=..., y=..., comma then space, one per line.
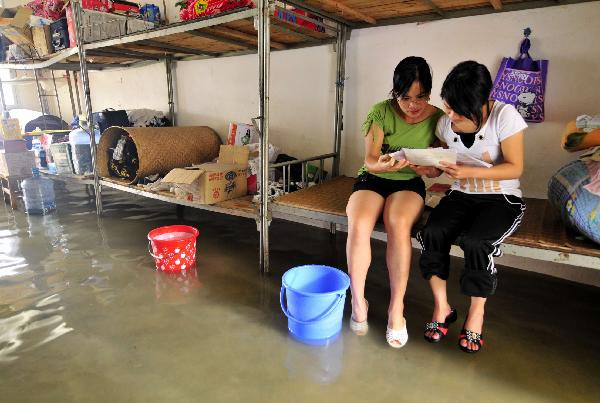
x=426, y=156
x=466, y=159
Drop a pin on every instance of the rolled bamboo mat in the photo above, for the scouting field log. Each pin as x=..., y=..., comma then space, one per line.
x=161, y=149
x=541, y=227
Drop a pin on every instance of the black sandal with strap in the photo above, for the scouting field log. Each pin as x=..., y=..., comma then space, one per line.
x=470, y=337
x=440, y=328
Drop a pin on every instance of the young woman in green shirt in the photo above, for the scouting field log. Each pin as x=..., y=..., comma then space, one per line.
x=390, y=188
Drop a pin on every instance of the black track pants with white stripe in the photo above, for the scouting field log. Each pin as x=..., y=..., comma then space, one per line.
x=479, y=222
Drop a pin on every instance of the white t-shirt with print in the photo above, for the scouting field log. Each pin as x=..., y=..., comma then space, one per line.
x=503, y=122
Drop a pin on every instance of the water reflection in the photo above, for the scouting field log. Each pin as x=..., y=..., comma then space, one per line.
x=320, y=363
x=54, y=265
x=176, y=288
x=18, y=333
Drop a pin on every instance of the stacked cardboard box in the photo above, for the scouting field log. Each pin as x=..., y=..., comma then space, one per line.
x=17, y=164
x=14, y=25
x=42, y=39
x=10, y=129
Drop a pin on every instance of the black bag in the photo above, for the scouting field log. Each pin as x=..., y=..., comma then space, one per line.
x=46, y=122
x=108, y=118
x=59, y=32
x=124, y=162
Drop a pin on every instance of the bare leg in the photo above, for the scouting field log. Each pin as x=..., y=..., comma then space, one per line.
x=402, y=209
x=474, y=321
x=363, y=209
x=441, y=306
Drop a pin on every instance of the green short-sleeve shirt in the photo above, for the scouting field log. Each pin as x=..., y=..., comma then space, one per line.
x=399, y=134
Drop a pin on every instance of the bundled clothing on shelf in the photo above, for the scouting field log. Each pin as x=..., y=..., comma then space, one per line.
x=126, y=118
x=124, y=162
x=147, y=118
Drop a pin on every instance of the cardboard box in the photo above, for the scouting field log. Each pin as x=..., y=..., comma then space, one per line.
x=42, y=40
x=241, y=134
x=208, y=183
x=17, y=164
x=10, y=129
x=14, y=25
x=229, y=154
x=213, y=182
x=15, y=146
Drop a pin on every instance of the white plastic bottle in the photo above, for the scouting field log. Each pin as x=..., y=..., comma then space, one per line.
x=81, y=148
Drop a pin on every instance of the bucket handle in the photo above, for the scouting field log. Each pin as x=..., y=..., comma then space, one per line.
x=150, y=250
x=308, y=322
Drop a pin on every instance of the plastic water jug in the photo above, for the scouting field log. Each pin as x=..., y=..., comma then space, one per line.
x=80, y=136
x=38, y=194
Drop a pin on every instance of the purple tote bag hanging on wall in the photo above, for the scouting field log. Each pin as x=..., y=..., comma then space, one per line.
x=522, y=82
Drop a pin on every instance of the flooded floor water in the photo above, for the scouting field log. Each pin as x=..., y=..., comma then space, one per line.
x=84, y=318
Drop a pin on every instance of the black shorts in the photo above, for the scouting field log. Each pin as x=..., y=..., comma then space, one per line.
x=386, y=187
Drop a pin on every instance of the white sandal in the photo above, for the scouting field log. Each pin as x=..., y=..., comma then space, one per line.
x=360, y=328
x=397, y=338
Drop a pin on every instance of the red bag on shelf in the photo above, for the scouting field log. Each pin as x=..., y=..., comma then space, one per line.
x=98, y=5
x=293, y=16
x=125, y=7
x=201, y=8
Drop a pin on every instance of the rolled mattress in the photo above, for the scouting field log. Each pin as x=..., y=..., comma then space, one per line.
x=160, y=149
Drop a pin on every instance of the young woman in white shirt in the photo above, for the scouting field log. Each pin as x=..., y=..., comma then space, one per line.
x=484, y=204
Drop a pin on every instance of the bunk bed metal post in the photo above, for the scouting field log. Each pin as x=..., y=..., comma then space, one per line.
x=79, y=38
x=264, y=53
x=39, y=91
x=338, y=122
x=169, y=68
x=76, y=82
x=71, y=93
x=5, y=113
x=340, y=48
x=56, y=94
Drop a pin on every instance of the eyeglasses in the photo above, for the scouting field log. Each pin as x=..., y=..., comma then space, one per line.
x=421, y=99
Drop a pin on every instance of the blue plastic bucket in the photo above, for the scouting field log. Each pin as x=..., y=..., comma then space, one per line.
x=315, y=298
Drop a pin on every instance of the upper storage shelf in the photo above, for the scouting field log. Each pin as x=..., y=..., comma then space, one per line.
x=225, y=34
x=368, y=13
x=234, y=33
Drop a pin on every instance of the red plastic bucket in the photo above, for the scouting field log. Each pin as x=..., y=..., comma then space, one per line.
x=173, y=247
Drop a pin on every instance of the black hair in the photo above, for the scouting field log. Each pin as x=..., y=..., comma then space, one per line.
x=466, y=89
x=409, y=70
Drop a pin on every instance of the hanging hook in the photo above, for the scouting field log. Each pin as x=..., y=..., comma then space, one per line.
x=527, y=32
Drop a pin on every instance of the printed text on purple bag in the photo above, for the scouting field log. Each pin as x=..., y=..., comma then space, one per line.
x=524, y=89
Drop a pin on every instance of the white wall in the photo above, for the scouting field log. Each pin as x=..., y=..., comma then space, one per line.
x=216, y=92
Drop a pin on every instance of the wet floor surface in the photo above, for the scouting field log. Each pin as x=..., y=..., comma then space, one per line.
x=83, y=317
